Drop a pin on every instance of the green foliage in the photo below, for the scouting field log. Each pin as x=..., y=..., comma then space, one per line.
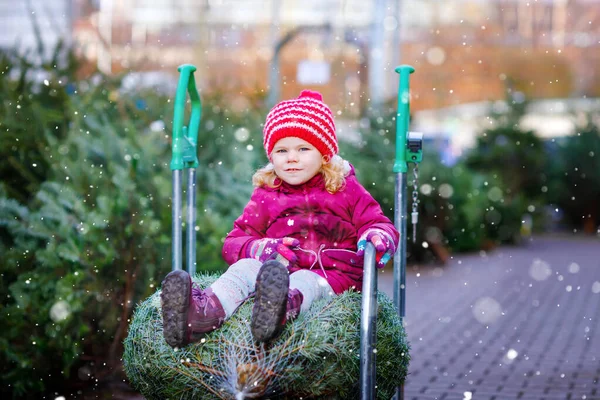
x=91, y=244
x=466, y=210
x=316, y=356
x=574, y=167
x=474, y=204
x=517, y=157
x=458, y=208
x=85, y=217
x=373, y=157
x=34, y=108
x=229, y=151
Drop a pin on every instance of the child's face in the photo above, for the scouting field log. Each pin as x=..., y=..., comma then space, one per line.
x=295, y=160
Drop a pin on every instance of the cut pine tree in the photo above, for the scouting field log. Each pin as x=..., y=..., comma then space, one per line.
x=317, y=355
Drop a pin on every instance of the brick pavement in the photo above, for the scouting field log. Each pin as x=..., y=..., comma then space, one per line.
x=514, y=323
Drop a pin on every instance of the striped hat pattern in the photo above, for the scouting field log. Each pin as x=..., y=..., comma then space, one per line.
x=307, y=118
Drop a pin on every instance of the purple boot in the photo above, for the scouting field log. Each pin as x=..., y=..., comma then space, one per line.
x=274, y=303
x=188, y=312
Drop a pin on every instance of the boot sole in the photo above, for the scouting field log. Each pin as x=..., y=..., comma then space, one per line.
x=175, y=301
x=268, y=313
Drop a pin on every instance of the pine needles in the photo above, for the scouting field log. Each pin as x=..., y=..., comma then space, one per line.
x=317, y=356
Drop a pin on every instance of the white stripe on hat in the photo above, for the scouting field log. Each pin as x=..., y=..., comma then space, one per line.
x=328, y=130
x=278, y=114
x=310, y=103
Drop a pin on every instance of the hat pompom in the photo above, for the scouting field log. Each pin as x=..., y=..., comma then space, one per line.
x=311, y=94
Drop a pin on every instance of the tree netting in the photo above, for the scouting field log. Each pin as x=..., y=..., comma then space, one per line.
x=317, y=355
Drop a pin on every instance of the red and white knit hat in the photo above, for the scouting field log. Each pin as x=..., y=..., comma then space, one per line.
x=307, y=118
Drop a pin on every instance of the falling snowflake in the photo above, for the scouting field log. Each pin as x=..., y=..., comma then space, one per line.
x=290, y=222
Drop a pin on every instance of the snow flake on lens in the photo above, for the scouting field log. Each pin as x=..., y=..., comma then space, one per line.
x=242, y=134
x=60, y=311
x=157, y=126
x=487, y=310
x=510, y=356
x=540, y=270
x=426, y=189
x=574, y=268
x=446, y=190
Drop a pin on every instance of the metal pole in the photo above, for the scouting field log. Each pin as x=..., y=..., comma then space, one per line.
x=376, y=56
x=273, y=95
x=176, y=221
x=400, y=220
x=368, y=326
x=397, y=52
x=191, y=222
x=401, y=169
x=105, y=18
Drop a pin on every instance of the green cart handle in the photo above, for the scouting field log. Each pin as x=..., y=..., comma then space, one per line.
x=185, y=138
x=402, y=119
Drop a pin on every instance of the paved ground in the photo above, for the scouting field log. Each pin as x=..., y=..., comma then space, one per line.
x=515, y=323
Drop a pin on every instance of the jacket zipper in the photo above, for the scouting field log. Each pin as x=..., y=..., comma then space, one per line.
x=310, y=233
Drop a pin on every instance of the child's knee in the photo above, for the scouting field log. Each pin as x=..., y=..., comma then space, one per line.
x=245, y=264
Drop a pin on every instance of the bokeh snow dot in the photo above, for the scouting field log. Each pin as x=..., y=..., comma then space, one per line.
x=493, y=217
x=60, y=311
x=434, y=235
x=436, y=55
x=445, y=190
x=487, y=310
x=596, y=287
x=512, y=354
x=426, y=189
x=573, y=268
x=157, y=126
x=241, y=134
x=540, y=270
x=495, y=194
x=390, y=23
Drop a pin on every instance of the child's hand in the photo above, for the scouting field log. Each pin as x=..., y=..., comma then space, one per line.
x=384, y=245
x=278, y=249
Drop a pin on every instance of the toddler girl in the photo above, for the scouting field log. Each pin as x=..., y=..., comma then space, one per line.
x=300, y=238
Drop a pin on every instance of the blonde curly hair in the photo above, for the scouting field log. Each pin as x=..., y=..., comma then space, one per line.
x=334, y=174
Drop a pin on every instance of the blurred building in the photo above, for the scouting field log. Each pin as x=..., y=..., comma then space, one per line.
x=464, y=51
x=26, y=25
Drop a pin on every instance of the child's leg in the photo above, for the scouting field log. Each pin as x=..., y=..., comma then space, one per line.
x=236, y=284
x=190, y=312
x=271, y=301
x=312, y=286
x=280, y=297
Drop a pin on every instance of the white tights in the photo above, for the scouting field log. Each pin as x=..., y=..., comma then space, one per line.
x=239, y=281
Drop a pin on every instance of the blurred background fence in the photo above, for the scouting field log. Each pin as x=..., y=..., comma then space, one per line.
x=505, y=92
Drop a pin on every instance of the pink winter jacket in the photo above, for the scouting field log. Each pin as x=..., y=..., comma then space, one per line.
x=327, y=225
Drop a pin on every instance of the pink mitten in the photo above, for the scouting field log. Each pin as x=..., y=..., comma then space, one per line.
x=278, y=249
x=383, y=242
